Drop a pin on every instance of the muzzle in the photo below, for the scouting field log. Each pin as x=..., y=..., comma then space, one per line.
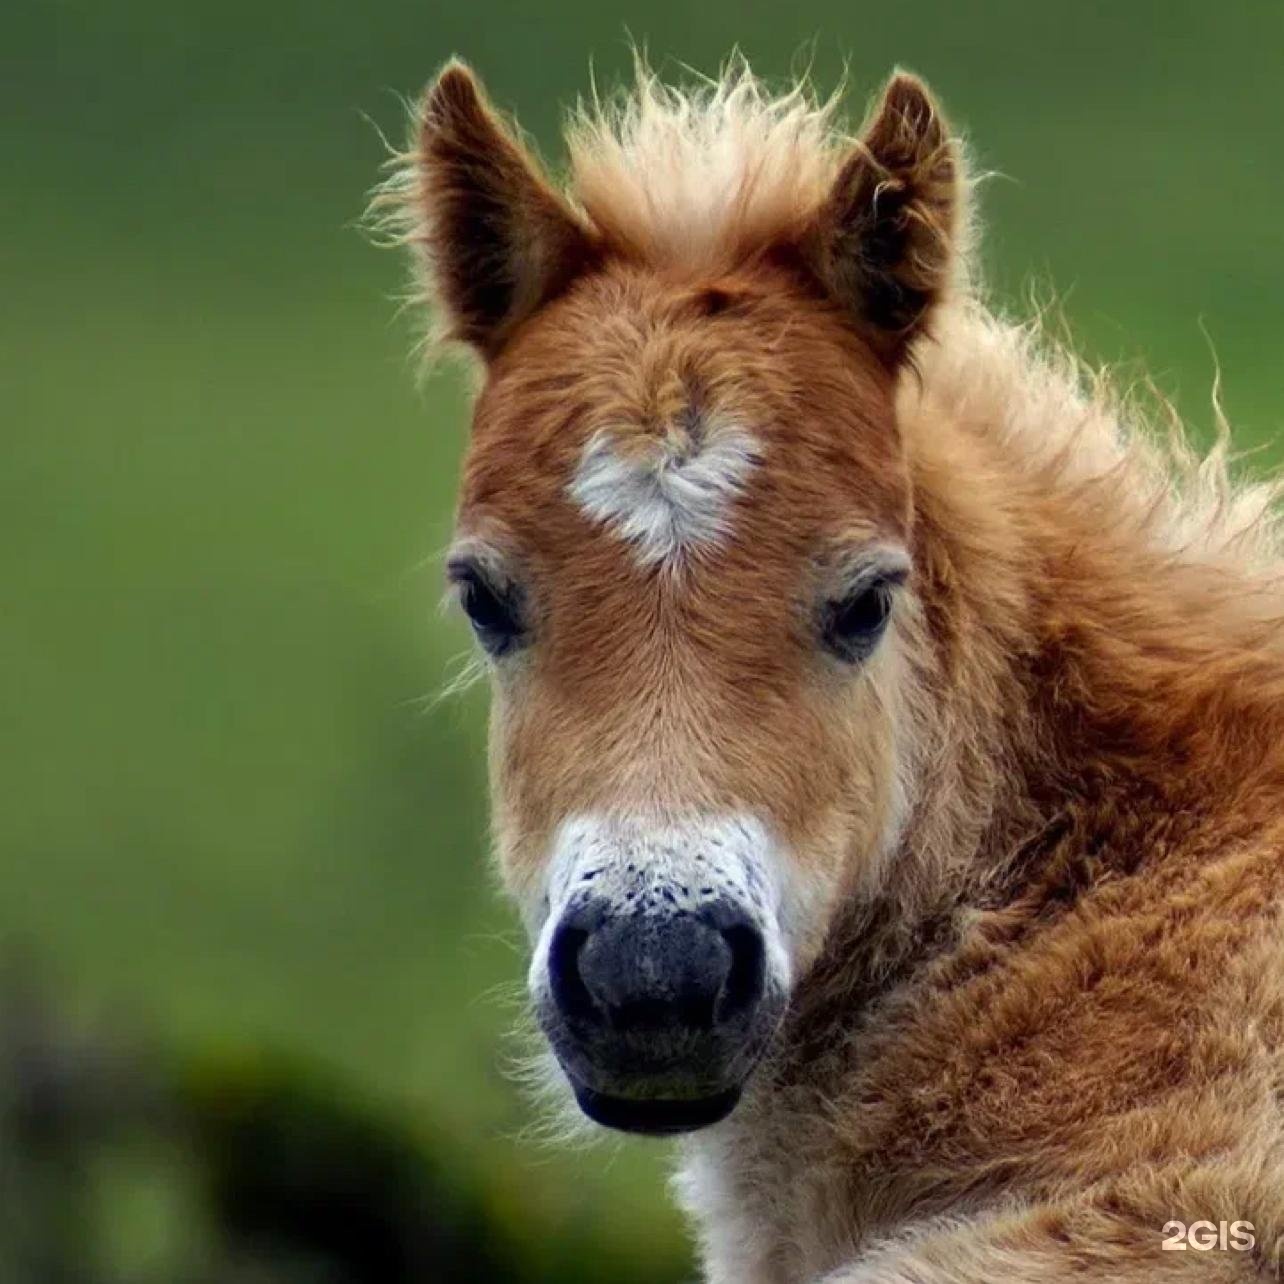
x=660, y=976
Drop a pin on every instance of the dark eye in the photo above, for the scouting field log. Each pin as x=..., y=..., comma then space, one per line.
x=854, y=624
x=493, y=611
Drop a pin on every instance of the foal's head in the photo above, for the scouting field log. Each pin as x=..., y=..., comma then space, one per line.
x=684, y=544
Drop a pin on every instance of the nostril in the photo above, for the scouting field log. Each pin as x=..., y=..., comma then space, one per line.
x=743, y=986
x=569, y=991
x=697, y=1009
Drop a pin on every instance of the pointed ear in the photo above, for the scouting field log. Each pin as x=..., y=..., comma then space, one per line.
x=883, y=243
x=495, y=240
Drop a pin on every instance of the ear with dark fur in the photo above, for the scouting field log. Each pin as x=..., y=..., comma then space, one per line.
x=883, y=243
x=496, y=241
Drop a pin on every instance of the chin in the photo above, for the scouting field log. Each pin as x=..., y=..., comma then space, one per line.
x=655, y=1116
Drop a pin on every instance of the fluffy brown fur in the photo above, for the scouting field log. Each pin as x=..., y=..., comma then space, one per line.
x=1066, y=1027
x=1041, y=1011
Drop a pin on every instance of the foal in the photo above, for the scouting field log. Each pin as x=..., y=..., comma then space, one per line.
x=887, y=742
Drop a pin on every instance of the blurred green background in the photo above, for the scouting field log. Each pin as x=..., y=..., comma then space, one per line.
x=241, y=851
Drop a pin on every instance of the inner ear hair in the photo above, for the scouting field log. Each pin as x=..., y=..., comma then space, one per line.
x=883, y=242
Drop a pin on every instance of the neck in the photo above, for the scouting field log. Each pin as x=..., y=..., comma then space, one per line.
x=1088, y=635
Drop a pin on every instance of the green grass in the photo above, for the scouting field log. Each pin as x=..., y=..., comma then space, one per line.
x=227, y=808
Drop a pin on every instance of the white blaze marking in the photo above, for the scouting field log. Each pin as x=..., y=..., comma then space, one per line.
x=664, y=500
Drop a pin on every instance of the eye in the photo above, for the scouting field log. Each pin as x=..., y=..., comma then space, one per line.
x=853, y=624
x=494, y=611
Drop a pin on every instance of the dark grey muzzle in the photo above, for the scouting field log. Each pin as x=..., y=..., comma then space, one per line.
x=656, y=1016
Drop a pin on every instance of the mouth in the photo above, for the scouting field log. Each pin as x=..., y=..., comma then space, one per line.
x=656, y=1116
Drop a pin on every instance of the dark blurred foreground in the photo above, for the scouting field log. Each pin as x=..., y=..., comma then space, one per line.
x=121, y=1164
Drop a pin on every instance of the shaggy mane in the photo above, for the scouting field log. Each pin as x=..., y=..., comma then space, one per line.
x=700, y=177
x=1125, y=457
